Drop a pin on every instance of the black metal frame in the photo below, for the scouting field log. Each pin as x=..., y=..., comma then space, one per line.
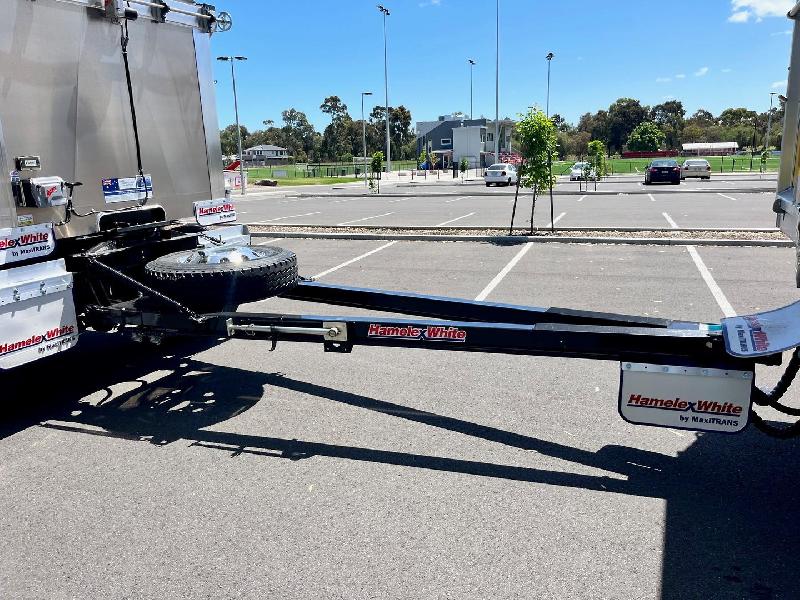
x=458, y=325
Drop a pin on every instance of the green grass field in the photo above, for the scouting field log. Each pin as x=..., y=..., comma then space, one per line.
x=283, y=181
x=315, y=171
x=719, y=164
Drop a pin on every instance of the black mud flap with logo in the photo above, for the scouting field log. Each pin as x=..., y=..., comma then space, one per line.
x=694, y=398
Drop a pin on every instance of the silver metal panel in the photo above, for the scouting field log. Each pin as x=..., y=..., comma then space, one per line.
x=7, y=210
x=64, y=97
x=208, y=100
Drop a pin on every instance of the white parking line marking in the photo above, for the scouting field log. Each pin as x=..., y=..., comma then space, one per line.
x=511, y=264
x=651, y=197
x=456, y=199
x=718, y=294
x=292, y=217
x=353, y=260
x=270, y=241
x=726, y=196
x=454, y=220
x=365, y=219
x=581, y=198
x=399, y=200
x=672, y=223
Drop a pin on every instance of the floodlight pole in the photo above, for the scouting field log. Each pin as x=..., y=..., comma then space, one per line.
x=769, y=119
x=549, y=58
x=385, y=12
x=497, y=86
x=232, y=60
x=471, y=64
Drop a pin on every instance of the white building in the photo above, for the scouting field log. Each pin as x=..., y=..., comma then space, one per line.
x=266, y=154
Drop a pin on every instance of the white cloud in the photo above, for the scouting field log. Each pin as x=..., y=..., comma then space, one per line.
x=727, y=70
x=743, y=10
x=779, y=85
x=784, y=32
x=701, y=71
x=663, y=79
x=680, y=76
x=669, y=97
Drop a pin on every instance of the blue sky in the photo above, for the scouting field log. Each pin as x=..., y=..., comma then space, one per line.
x=710, y=54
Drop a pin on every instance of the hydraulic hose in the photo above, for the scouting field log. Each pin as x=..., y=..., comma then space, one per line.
x=770, y=398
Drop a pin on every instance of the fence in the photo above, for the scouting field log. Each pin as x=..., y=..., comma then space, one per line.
x=303, y=171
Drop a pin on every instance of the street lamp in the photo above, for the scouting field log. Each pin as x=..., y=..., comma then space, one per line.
x=385, y=12
x=769, y=119
x=364, y=135
x=549, y=58
x=471, y=64
x=232, y=60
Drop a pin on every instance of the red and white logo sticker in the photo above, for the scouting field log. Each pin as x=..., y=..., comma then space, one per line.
x=23, y=243
x=436, y=333
x=212, y=212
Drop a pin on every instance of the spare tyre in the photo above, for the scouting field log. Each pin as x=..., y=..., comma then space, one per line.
x=213, y=279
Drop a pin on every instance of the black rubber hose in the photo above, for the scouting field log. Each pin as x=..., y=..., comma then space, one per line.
x=784, y=433
x=124, y=42
x=771, y=397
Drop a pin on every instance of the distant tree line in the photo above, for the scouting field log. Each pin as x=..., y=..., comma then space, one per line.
x=340, y=141
x=629, y=125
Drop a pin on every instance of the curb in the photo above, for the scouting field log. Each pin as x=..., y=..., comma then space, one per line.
x=643, y=192
x=484, y=227
x=520, y=239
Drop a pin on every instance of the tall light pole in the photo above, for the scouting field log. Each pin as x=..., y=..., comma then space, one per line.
x=471, y=64
x=497, y=87
x=385, y=12
x=549, y=58
x=364, y=135
x=769, y=119
x=232, y=60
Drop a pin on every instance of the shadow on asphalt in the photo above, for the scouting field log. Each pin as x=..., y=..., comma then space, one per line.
x=732, y=502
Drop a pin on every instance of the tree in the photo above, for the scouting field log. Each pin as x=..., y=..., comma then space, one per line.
x=536, y=144
x=596, y=152
x=560, y=123
x=333, y=106
x=376, y=166
x=702, y=118
x=730, y=117
x=596, y=126
x=693, y=133
x=230, y=141
x=669, y=117
x=646, y=137
x=624, y=115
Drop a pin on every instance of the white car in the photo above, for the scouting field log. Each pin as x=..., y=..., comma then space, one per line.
x=576, y=172
x=500, y=174
x=696, y=167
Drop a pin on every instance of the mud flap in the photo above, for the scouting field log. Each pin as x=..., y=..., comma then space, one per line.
x=770, y=332
x=693, y=398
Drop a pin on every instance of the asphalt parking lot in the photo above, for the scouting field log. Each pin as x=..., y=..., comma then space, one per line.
x=229, y=471
x=625, y=202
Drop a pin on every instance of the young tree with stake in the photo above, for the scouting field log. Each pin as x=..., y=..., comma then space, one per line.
x=536, y=144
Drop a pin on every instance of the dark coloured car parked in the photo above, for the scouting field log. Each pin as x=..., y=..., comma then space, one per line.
x=664, y=171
